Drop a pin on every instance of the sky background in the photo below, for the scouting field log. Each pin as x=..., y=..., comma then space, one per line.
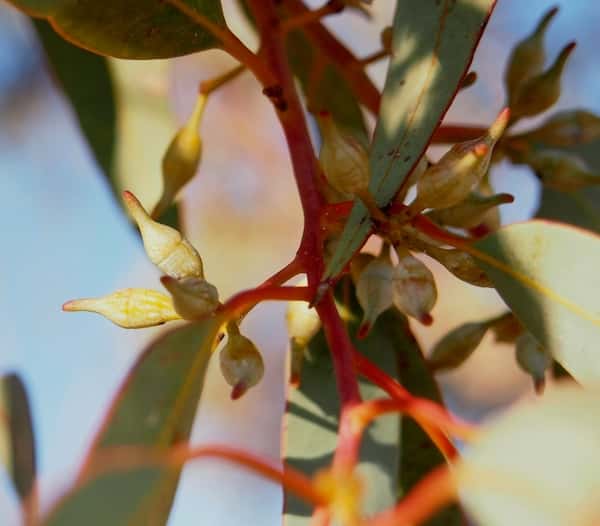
x=64, y=237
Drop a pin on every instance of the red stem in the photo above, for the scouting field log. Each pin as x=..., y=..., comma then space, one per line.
x=451, y=133
x=239, y=303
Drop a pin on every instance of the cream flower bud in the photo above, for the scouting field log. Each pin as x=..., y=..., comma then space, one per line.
x=413, y=287
x=461, y=264
x=471, y=212
x=454, y=348
x=533, y=359
x=182, y=158
x=129, y=308
x=165, y=246
x=303, y=323
x=241, y=363
x=193, y=298
x=451, y=179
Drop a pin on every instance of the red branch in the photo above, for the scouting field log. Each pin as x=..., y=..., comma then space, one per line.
x=239, y=303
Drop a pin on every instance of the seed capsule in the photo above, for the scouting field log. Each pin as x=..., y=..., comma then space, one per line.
x=241, y=363
x=374, y=291
x=165, y=246
x=454, y=348
x=543, y=90
x=129, y=308
x=566, y=128
x=413, y=287
x=181, y=159
x=470, y=212
x=303, y=323
x=451, y=179
x=461, y=264
x=562, y=171
x=193, y=298
x=528, y=56
x=533, y=359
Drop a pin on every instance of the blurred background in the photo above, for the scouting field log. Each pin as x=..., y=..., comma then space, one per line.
x=64, y=237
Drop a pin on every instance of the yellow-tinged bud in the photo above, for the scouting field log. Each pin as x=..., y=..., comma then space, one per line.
x=566, y=128
x=303, y=323
x=451, y=179
x=343, y=491
x=129, y=308
x=193, y=298
x=470, y=212
x=454, y=348
x=461, y=264
x=181, y=160
x=358, y=264
x=241, y=363
x=528, y=56
x=543, y=90
x=165, y=246
x=533, y=359
x=562, y=171
x=413, y=287
x=374, y=291
x=344, y=160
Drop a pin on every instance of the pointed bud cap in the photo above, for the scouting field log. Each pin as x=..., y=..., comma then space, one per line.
x=129, y=308
x=533, y=359
x=413, y=287
x=165, y=246
x=454, y=348
x=374, y=291
x=182, y=158
x=193, y=298
x=241, y=364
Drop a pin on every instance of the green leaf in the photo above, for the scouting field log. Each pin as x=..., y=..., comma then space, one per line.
x=312, y=421
x=17, y=443
x=433, y=45
x=154, y=408
x=547, y=273
x=136, y=29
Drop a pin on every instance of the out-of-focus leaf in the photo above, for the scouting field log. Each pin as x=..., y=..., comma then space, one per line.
x=136, y=29
x=433, y=45
x=418, y=454
x=538, y=464
x=312, y=421
x=548, y=275
x=17, y=443
x=154, y=408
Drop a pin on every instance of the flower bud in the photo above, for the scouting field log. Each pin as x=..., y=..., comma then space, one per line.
x=193, y=298
x=528, y=57
x=566, y=128
x=181, y=160
x=451, y=179
x=358, y=263
x=413, y=287
x=491, y=219
x=374, y=291
x=533, y=359
x=303, y=323
x=562, y=171
x=165, y=246
x=129, y=308
x=461, y=264
x=241, y=363
x=470, y=212
x=543, y=90
x=344, y=160
x=454, y=348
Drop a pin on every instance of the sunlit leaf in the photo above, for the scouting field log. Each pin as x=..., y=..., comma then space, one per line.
x=548, y=275
x=136, y=29
x=538, y=464
x=433, y=45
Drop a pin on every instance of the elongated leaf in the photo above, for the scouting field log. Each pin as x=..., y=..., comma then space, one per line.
x=154, y=408
x=548, y=275
x=312, y=420
x=135, y=29
x=17, y=444
x=433, y=45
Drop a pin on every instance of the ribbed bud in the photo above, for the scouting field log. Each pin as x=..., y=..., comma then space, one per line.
x=344, y=160
x=129, y=308
x=451, y=179
x=241, y=363
x=303, y=323
x=528, y=57
x=562, y=171
x=413, y=287
x=193, y=298
x=461, y=264
x=540, y=92
x=533, y=359
x=454, y=348
x=470, y=212
x=374, y=291
x=182, y=158
x=165, y=246
x=566, y=128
